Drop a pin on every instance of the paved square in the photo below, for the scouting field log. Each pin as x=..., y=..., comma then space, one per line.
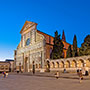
x=26, y=82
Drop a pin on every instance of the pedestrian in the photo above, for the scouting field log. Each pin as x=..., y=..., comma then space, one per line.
x=3, y=74
x=80, y=76
x=33, y=69
x=6, y=74
x=57, y=74
x=78, y=72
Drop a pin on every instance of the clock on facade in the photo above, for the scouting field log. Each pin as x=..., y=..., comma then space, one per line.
x=27, y=41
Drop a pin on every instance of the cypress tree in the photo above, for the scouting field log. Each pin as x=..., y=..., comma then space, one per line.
x=75, y=53
x=57, y=51
x=85, y=46
x=69, y=52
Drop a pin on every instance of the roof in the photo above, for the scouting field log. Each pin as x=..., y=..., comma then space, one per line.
x=26, y=24
x=8, y=60
x=44, y=33
x=64, y=42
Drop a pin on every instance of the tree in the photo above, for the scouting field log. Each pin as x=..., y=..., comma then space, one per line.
x=69, y=52
x=85, y=46
x=74, y=52
x=57, y=51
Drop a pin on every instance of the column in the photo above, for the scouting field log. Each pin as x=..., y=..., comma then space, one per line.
x=84, y=63
x=64, y=65
x=77, y=64
x=23, y=40
x=23, y=62
x=29, y=62
x=42, y=59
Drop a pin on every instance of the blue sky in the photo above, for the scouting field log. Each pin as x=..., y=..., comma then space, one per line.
x=71, y=15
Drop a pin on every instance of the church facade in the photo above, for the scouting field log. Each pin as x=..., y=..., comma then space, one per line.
x=34, y=48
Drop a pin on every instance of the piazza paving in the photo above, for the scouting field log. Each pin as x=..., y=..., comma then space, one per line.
x=44, y=81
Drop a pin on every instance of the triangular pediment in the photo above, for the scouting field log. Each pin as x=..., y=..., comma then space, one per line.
x=27, y=25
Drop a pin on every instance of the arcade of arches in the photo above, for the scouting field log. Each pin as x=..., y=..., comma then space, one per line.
x=70, y=63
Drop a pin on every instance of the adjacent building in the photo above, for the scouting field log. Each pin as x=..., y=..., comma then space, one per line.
x=7, y=65
x=11, y=64
x=4, y=66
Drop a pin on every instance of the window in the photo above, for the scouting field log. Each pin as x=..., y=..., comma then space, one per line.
x=50, y=50
x=2, y=67
x=27, y=41
x=50, y=40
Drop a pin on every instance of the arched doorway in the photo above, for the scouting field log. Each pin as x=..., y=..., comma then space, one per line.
x=80, y=63
x=73, y=64
x=57, y=64
x=88, y=63
x=26, y=68
x=67, y=63
x=52, y=65
x=61, y=64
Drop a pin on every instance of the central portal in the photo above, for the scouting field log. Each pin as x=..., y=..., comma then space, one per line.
x=26, y=66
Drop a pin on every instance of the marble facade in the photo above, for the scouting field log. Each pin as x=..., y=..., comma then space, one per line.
x=30, y=51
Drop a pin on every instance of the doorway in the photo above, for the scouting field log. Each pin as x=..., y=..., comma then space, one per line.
x=26, y=68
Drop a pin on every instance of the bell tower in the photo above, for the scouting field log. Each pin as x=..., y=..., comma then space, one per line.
x=63, y=37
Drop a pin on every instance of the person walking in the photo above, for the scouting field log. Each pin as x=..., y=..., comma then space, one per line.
x=33, y=69
x=80, y=76
x=4, y=74
x=57, y=74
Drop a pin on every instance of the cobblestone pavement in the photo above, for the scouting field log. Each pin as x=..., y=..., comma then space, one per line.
x=26, y=82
